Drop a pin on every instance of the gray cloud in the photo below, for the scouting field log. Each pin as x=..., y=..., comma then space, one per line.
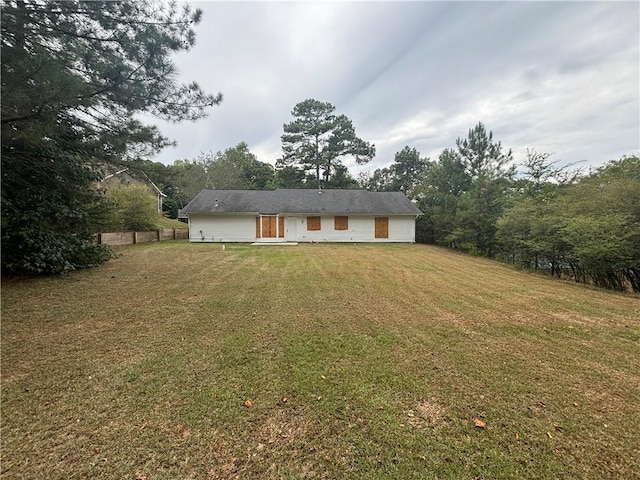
x=560, y=77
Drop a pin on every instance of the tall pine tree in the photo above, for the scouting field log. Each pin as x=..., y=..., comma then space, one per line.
x=74, y=75
x=479, y=207
x=317, y=139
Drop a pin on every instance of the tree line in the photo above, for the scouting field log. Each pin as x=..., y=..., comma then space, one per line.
x=475, y=198
x=314, y=145
x=76, y=75
x=570, y=224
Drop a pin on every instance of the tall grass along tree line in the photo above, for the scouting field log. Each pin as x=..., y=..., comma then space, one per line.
x=549, y=218
x=74, y=75
x=587, y=227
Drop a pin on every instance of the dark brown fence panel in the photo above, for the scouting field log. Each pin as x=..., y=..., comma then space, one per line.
x=182, y=233
x=168, y=234
x=116, y=238
x=143, y=237
x=129, y=238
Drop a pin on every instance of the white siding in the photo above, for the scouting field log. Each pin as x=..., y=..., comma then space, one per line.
x=242, y=228
x=222, y=228
x=402, y=229
x=361, y=229
x=291, y=227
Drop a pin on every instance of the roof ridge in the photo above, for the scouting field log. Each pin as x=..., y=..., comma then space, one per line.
x=302, y=201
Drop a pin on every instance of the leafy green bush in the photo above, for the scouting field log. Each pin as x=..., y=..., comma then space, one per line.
x=135, y=207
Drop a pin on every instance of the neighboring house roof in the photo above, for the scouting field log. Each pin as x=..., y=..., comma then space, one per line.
x=131, y=177
x=301, y=201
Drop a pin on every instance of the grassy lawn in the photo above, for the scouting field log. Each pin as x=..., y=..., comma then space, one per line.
x=168, y=223
x=368, y=361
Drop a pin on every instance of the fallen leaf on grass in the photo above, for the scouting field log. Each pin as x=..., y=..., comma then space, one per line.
x=248, y=404
x=478, y=423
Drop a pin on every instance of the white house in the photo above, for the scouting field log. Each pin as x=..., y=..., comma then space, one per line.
x=297, y=215
x=126, y=176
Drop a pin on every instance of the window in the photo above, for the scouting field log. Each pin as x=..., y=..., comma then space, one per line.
x=341, y=223
x=382, y=227
x=313, y=223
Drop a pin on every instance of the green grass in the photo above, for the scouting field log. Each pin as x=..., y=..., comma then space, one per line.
x=367, y=361
x=165, y=222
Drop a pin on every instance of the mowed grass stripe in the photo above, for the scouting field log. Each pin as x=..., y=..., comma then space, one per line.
x=361, y=361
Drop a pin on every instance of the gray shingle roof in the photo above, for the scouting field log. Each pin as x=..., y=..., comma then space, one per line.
x=299, y=201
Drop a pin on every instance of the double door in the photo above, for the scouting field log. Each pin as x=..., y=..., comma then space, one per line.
x=269, y=226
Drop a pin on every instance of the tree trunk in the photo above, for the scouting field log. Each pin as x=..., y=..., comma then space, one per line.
x=633, y=277
x=20, y=20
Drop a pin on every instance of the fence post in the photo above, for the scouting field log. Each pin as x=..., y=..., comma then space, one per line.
x=174, y=233
x=159, y=233
x=135, y=237
x=99, y=238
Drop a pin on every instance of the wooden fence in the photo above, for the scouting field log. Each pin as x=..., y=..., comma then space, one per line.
x=130, y=238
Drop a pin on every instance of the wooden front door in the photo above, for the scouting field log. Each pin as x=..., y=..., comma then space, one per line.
x=272, y=227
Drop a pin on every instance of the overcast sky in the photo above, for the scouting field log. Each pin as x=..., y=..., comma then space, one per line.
x=560, y=77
